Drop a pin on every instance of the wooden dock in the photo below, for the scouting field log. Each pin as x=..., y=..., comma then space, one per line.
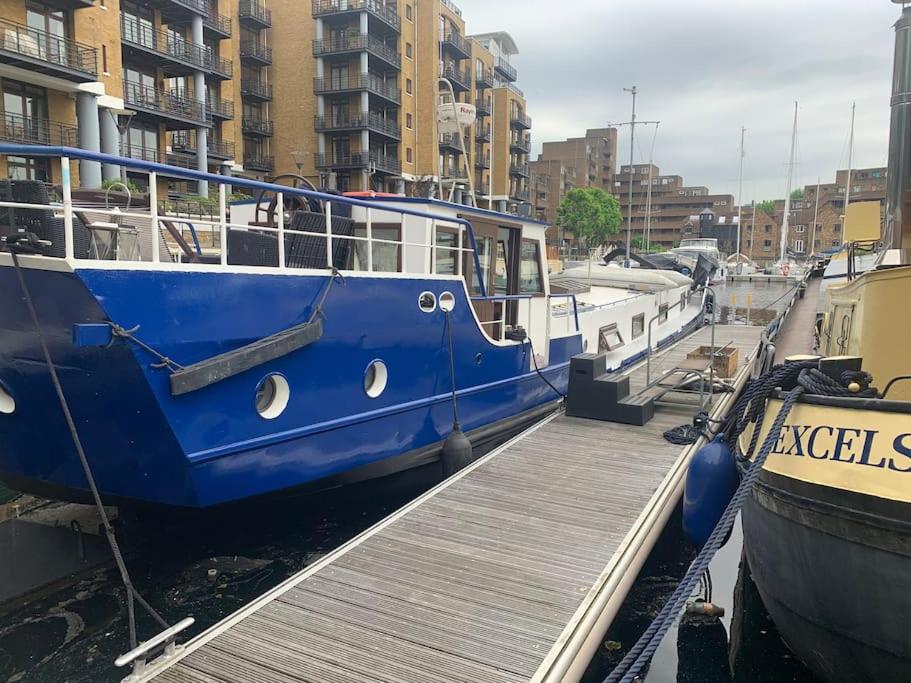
x=511, y=570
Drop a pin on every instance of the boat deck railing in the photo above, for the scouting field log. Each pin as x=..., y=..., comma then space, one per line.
x=318, y=240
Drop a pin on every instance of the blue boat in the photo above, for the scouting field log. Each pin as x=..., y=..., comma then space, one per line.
x=212, y=359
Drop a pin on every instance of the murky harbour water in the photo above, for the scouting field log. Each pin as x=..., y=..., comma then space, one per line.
x=75, y=632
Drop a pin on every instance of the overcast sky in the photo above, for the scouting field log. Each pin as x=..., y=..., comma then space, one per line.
x=704, y=68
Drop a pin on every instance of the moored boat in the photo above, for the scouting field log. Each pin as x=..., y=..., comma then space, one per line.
x=317, y=340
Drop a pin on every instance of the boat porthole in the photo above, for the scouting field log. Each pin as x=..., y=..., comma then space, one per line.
x=447, y=301
x=272, y=396
x=427, y=302
x=375, y=379
x=7, y=402
x=478, y=359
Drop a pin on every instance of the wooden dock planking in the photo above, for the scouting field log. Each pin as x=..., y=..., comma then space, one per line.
x=478, y=580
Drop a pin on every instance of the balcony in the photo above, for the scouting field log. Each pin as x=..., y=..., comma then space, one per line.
x=370, y=44
x=520, y=144
x=481, y=161
x=483, y=78
x=185, y=141
x=220, y=109
x=46, y=53
x=458, y=46
x=519, y=195
x=506, y=70
x=67, y=5
x=254, y=52
x=520, y=120
x=140, y=153
x=218, y=24
x=386, y=16
x=372, y=122
x=175, y=56
x=518, y=170
x=179, y=10
x=376, y=161
x=256, y=126
x=27, y=130
x=176, y=109
x=254, y=15
x=368, y=82
x=259, y=162
x=482, y=134
x=451, y=142
x=455, y=171
x=459, y=78
x=254, y=89
x=483, y=105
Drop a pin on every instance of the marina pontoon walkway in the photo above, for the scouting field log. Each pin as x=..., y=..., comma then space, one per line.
x=509, y=571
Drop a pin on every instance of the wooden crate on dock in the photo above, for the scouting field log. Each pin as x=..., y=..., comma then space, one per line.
x=725, y=359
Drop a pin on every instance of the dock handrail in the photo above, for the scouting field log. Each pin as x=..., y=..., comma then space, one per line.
x=154, y=169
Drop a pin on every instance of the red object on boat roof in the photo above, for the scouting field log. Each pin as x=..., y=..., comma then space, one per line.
x=369, y=194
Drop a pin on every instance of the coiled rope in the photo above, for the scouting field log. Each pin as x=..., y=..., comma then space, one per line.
x=798, y=378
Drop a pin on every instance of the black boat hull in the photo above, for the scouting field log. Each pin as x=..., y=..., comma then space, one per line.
x=833, y=568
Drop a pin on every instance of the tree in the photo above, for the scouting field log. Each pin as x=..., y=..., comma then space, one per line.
x=591, y=214
x=767, y=206
x=797, y=194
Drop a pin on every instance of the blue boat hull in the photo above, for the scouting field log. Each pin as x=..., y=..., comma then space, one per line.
x=210, y=446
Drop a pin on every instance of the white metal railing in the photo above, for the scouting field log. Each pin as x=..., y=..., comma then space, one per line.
x=222, y=225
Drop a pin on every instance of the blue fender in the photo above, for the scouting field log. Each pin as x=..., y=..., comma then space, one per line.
x=710, y=484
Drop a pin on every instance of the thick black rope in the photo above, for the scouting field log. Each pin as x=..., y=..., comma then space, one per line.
x=799, y=378
x=534, y=361
x=131, y=592
x=452, y=377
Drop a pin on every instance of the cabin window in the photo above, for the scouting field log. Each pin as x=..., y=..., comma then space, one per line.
x=387, y=258
x=638, y=325
x=662, y=314
x=530, y=268
x=609, y=338
x=502, y=274
x=484, y=248
x=444, y=254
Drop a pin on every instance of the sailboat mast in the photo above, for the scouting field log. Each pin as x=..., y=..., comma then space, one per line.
x=850, y=165
x=743, y=132
x=632, y=143
x=787, y=196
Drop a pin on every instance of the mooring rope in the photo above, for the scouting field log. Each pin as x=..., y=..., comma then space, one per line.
x=25, y=244
x=801, y=377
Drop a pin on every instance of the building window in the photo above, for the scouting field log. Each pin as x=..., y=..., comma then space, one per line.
x=798, y=246
x=104, y=58
x=767, y=228
x=767, y=245
x=409, y=156
x=409, y=13
x=409, y=86
x=800, y=228
x=21, y=168
x=836, y=227
x=836, y=243
x=409, y=121
x=408, y=51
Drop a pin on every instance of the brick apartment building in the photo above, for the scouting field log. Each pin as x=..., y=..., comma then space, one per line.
x=344, y=92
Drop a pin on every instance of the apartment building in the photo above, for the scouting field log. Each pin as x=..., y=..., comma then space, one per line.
x=673, y=205
x=345, y=93
x=154, y=80
x=553, y=180
x=592, y=159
